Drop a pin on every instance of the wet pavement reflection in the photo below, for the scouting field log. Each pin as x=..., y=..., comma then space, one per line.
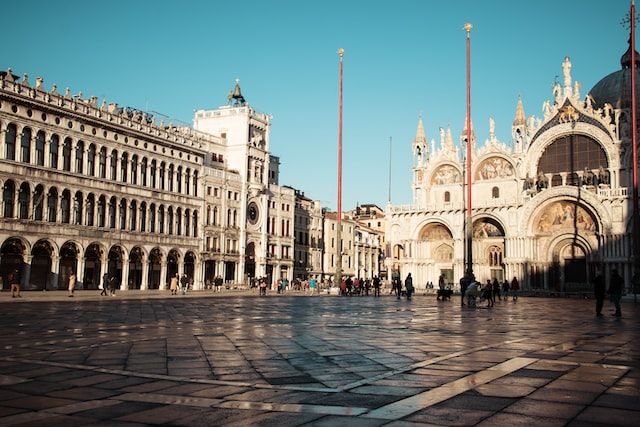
x=293, y=360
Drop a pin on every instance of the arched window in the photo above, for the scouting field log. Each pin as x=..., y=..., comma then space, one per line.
x=208, y=215
x=8, y=195
x=152, y=174
x=161, y=175
x=102, y=163
x=10, y=142
x=91, y=206
x=40, y=148
x=572, y=153
x=447, y=197
x=161, y=219
x=152, y=218
x=38, y=203
x=79, y=157
x=179, y=179
x=112, y=212
x=134, y=169
x=195, y=183
x=187, y=222
x=143, y=216
x=170, y=178
x=495, y=256
x=556, y=180
x=123, y=214
x=169, y=220
x=178, y=221
x=124, y=161
x=91, y=160
x=187, y=181
x=25, y=145
x=65, y=206
x=133, y=208
x=102, y=211
x=143, y=172
x=215, y=215
x=113, y=165
x=195, y=223
x=52, y=204
x=66, y=155
x=77, y=208
x=23, y=201
x=495, y=193
x=54, y=143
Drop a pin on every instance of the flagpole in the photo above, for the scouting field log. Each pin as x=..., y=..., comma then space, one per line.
x=468, y=234
x=339, y=219
x=634, y=143
x=390, y=145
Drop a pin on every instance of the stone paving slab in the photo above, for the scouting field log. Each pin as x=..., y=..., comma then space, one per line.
x=238, y=359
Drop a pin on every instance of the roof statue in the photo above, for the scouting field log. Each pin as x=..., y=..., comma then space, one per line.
x=566, y=75
x=492, y=129
x=235, y=97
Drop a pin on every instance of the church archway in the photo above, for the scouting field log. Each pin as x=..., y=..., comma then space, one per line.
x=11, y=260
x=41, y=256
x=155, y=267
x=116, y=255
x=92, y=266
x=488, y=240
x=68, y=264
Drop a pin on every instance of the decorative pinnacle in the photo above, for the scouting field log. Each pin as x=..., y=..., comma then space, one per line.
x=468, y=27
x=341, y=52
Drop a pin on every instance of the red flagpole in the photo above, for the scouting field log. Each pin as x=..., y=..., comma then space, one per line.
x=469, y=236
x=339, y=226
x=634, y=134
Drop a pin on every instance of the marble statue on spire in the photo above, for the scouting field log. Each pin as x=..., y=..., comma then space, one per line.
x=566, y=74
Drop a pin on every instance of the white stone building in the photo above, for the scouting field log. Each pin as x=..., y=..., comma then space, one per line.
x=90, y=189
x=547, y=208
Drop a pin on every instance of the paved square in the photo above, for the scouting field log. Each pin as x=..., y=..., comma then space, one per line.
x=295, y=360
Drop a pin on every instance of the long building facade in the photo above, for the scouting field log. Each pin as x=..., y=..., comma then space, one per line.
x=90, y=189
x=548, y=209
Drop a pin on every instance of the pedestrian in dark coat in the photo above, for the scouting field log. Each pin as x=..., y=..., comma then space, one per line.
x=408, y=285
x=599, y=291
x=616, y=285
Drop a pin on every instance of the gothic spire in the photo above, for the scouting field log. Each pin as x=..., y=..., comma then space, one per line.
x=520, y=118
x=420, y=135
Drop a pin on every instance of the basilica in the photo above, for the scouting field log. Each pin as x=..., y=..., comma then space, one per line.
x=549, y=208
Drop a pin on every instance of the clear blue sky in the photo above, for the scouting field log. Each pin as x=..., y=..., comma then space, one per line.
x=402, y=58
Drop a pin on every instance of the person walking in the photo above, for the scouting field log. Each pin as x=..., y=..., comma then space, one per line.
x=14, y=282
x=398, y=287
x=599, y=291
x=515, y=287
x=184, y=283
x=616, y=285
x=505, y=289
x=487, y=291
x=465, y=281
x=72, y=283
x=313, y=284
x=104, y=285
x=112, y=286
x=496, y=289
x=173, y=285
x=408, y=285
x=376, y=286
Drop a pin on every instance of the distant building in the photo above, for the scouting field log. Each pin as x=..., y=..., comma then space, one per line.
x=547, y=209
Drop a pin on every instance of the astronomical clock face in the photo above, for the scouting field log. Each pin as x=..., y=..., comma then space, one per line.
x=253, y=213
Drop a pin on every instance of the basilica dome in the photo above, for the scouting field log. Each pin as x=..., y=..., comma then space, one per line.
x=615, y=89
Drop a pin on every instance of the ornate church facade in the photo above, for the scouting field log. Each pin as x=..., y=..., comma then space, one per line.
x=548, y=209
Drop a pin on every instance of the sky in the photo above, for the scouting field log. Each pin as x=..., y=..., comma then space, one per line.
x=402, y=59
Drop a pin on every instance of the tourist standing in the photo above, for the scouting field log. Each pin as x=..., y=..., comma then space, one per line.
x=616, y=285
x=112, y=286
x=464, y=284
x=173, y=285
x=408, y=285
x=599, y=291
x=515, y=287
x=184, y=283
x=72, y=283
x=105, y=284
x=14, y=282
x=313, y=284
x=376, y=286
x=505, y=289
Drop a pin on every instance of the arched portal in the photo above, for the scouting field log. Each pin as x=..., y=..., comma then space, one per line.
x=435, y=242
x=172, y=265
x=488, y=240
x=41, y=275
x=68, y=264
x=92, y=266
x=189, y=265
x=250, y=260
x=569, y=266
x=135, y=268
x=155, y=266
x=11, y=260
x=116, y=255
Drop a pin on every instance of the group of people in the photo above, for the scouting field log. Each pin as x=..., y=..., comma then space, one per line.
x=396, y=286
x=179, y=283
x=359, y=286
x=471, y=290
x=616, y=286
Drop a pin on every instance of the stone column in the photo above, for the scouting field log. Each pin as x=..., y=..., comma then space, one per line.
x=144, y=285
x=32, y=149
x=80, y=272
x=3, y=136
x=124, y=285
x=163, y=275
x=26, y=271
x=85, y=160
x=198, y=272
x=55, y=269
